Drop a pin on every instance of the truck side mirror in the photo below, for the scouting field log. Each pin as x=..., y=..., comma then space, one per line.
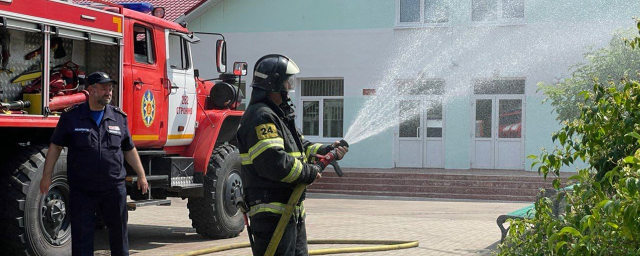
x=221, y=56
x=196, y=73
x=240, y=68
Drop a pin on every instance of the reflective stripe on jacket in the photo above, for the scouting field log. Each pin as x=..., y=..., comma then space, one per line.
x=275, y=157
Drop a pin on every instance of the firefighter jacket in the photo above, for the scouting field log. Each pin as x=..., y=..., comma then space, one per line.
x=275, y=157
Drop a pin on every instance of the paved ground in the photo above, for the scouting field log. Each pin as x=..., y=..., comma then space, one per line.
x=443, y=227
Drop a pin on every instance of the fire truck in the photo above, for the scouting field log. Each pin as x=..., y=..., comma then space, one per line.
x=182, y=125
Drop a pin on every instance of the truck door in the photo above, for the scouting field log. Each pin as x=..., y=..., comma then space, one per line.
x=182, y=91
x=148, y=93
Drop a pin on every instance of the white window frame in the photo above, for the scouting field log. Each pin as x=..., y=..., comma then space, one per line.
x=320, y=99
x=499, y=20
x=421, y=23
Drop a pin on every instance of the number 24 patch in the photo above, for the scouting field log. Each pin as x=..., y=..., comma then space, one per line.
x=266, y=131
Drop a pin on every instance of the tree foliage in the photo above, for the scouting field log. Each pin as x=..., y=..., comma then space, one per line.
x=602, y=213
x=611, y=63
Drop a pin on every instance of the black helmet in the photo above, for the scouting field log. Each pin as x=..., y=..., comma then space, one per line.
x=272, y=71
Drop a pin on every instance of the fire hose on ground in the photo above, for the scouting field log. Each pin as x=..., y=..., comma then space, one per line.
x=382, y=245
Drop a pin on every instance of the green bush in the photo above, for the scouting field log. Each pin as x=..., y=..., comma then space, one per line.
x=601, y=216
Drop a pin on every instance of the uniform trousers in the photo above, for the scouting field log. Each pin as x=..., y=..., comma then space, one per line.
x=112, y=204
x=294, y=240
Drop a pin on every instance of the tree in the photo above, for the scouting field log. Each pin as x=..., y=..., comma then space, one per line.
x=611, y=63
x=602, y=213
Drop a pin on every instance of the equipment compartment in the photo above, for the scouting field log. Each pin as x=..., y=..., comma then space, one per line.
x=72, y=55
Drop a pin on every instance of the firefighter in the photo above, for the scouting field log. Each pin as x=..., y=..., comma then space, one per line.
x=275, y=156
x=96, y=135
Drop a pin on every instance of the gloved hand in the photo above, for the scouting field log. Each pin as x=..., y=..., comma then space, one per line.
x=318, y=169
x=340, y=151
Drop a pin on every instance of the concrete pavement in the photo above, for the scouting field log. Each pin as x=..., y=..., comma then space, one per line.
x=443, y=227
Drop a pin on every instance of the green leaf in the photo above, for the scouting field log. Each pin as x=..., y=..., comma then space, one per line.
x=629, y=159
x=559, y=245
x=570, y=230
x=602, y=203
x=613, y=225
x=630, y=183
x=563, y=137
x=633, y=134
x=534, y=163
x=552, y=239
x=575, y=177
x=556, y=184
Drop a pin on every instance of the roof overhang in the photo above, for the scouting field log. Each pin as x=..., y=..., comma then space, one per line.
x=198, y=10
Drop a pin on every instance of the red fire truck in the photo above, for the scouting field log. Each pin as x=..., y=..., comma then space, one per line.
x=185, y=133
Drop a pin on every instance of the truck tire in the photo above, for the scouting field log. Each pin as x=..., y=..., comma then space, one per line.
x=34, y=224
x=214, y=215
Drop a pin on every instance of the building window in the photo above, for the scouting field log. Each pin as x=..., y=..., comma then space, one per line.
x=499, y=86
x=420, y=87
x=416, y=12
x=497, y=10
x=322, y=107
x=434, y=119
x=143, y=45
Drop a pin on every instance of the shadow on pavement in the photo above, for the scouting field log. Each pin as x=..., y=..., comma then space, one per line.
x=145, y=237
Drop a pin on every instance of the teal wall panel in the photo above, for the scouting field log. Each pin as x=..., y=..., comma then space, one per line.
x=540, y=124
x=242, y=16
x=458, y=134
x=373, y=152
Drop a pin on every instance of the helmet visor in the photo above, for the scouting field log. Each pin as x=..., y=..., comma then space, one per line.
x=290, y=83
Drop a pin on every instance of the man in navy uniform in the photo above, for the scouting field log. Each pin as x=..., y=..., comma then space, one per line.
x=98, y=139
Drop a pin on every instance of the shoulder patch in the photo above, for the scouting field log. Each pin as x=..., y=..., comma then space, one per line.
x=69, y=109
x=120, y=111
x=266, y=131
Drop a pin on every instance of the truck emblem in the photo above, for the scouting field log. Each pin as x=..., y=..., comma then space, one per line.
x=148, y=108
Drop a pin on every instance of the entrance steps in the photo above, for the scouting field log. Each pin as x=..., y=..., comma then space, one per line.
x=503, y=185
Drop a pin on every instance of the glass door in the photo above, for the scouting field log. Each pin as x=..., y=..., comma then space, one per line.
x=410, y=138
x=434, y=133
x=509, y=143
x=483, y=157
x=497, y=134
x=420, y=138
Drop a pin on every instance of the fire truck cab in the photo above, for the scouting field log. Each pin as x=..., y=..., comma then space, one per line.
x=184, y=133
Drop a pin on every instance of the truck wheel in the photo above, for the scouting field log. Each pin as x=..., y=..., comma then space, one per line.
x=214, y=215
x=34, y=224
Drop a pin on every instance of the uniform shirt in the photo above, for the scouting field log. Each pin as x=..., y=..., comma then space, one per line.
x=95, y=160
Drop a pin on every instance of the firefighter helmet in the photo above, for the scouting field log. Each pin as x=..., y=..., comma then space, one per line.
x=272, y=72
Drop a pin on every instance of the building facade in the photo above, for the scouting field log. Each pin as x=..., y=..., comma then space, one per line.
x=467, y=70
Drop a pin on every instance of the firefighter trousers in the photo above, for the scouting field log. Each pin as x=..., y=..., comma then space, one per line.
x=294, y=240
x=112, y=204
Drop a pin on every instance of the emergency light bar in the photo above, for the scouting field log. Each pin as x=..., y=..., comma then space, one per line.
x=144, y=7
x=139, y=7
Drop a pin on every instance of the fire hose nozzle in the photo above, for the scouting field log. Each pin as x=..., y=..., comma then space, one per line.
x=330, y=159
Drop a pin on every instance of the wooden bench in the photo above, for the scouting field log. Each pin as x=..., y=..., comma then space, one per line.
x=529, y=211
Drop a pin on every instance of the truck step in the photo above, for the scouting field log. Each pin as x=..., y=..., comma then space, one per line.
x=186, y=186
x=132, y=206
x=151, y=179
x=188, y=190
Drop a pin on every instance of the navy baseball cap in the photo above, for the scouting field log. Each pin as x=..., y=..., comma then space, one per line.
x=99, y=78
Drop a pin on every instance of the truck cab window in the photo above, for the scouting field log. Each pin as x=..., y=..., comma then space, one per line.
x=143, y=45
x=178, y=52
